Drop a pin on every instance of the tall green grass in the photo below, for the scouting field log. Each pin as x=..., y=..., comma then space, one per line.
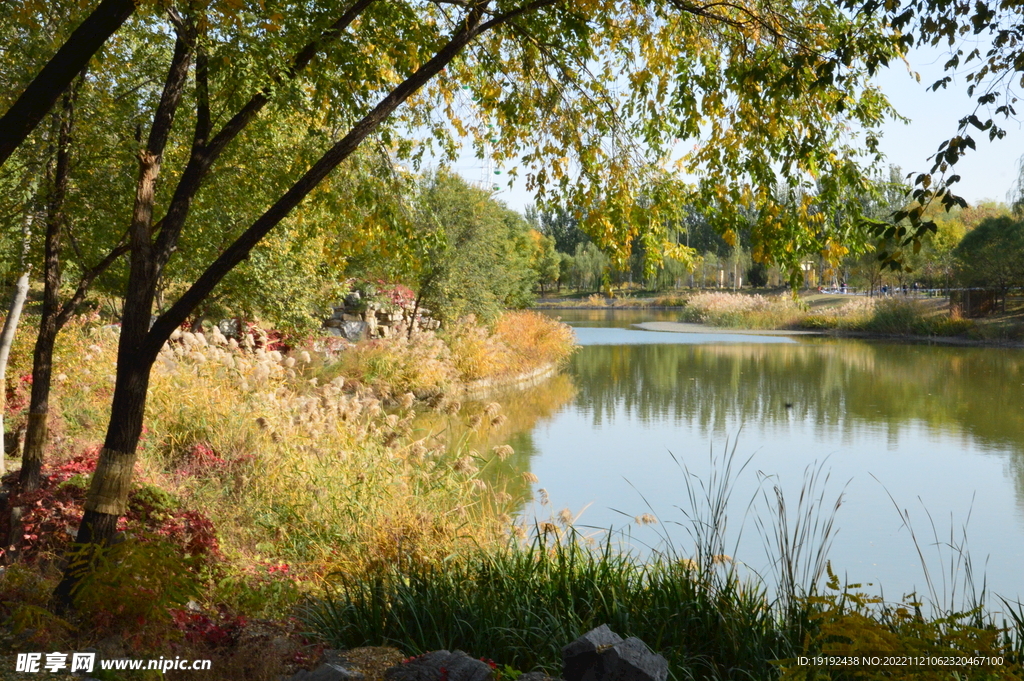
x=522, y=604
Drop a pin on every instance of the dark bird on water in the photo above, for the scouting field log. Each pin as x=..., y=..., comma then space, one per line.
x=789, y=405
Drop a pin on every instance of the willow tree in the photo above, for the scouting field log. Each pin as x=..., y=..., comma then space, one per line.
x=588, y=95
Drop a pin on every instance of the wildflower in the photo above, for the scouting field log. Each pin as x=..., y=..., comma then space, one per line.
x=305, y=358
x=289, y=362
x=263, y=423
x=565, y=517
x=503, y=452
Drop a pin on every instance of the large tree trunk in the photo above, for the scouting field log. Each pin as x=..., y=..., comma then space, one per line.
x=41, y=94
x=107, y=498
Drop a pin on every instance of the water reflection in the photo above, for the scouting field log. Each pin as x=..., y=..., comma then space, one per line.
x=845, y=386
x=939, y=428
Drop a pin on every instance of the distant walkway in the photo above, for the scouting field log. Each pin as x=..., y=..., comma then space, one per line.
x=685, y=327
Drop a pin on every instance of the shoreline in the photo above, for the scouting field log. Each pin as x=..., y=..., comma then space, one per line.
x=689, y=327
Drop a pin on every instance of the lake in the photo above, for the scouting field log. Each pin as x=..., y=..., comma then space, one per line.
x=933, y=431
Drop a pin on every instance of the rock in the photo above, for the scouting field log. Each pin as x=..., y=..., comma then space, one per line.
x=333, y=323
x=632, y=660
x=583, y=656
x=334, y=331
x=328, y=671
x=349, y=317
x=353, y=331
x=230, y=328
x=536, y=676
x=602, y=655
x=353, y=299
x=441, y=665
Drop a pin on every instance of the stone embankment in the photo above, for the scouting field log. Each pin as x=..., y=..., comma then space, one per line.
x=357, y=318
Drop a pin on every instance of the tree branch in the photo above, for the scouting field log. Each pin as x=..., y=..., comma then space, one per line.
x=204, y=155
x=469, y=29
x=54, y=78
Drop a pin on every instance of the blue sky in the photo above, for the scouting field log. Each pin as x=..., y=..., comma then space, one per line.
x=987, y=173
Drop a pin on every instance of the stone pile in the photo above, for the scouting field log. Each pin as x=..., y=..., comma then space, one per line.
x=358, y=318
x=598, y=655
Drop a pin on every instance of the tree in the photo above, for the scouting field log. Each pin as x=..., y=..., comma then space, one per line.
x=545, y=260
x=479, y=257
x=989, y=63
x=55, y=77
x=992, y=255
x=560, y=224
x=755, y=84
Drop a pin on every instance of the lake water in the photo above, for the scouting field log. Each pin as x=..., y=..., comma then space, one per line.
x=934, y=431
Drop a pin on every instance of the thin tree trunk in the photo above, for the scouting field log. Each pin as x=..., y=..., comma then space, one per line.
x=41, y=94
x=11, y=322
x=42, y=356
x=6, y=340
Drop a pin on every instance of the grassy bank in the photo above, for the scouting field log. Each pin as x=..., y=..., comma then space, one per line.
x=519, y=605
x=261, y=470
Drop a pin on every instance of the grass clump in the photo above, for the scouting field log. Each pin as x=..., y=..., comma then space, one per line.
x=519, y=342
x=739, y=310
x=895, y=316
x=521, y=604
x=427, y=364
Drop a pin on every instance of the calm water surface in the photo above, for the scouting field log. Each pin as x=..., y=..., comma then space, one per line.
x=937, y=431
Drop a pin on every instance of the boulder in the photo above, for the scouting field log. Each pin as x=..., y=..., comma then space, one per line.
x=327, y=672
x=441, y=665
x=602, y=655
x=353, y=299
x=582, y=658
x=353, y=331
x=632, y=660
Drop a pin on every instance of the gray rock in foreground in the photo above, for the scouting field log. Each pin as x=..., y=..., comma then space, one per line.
x=441, y=665
x=582, y=658
x=602, y=655
x=327, y=672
